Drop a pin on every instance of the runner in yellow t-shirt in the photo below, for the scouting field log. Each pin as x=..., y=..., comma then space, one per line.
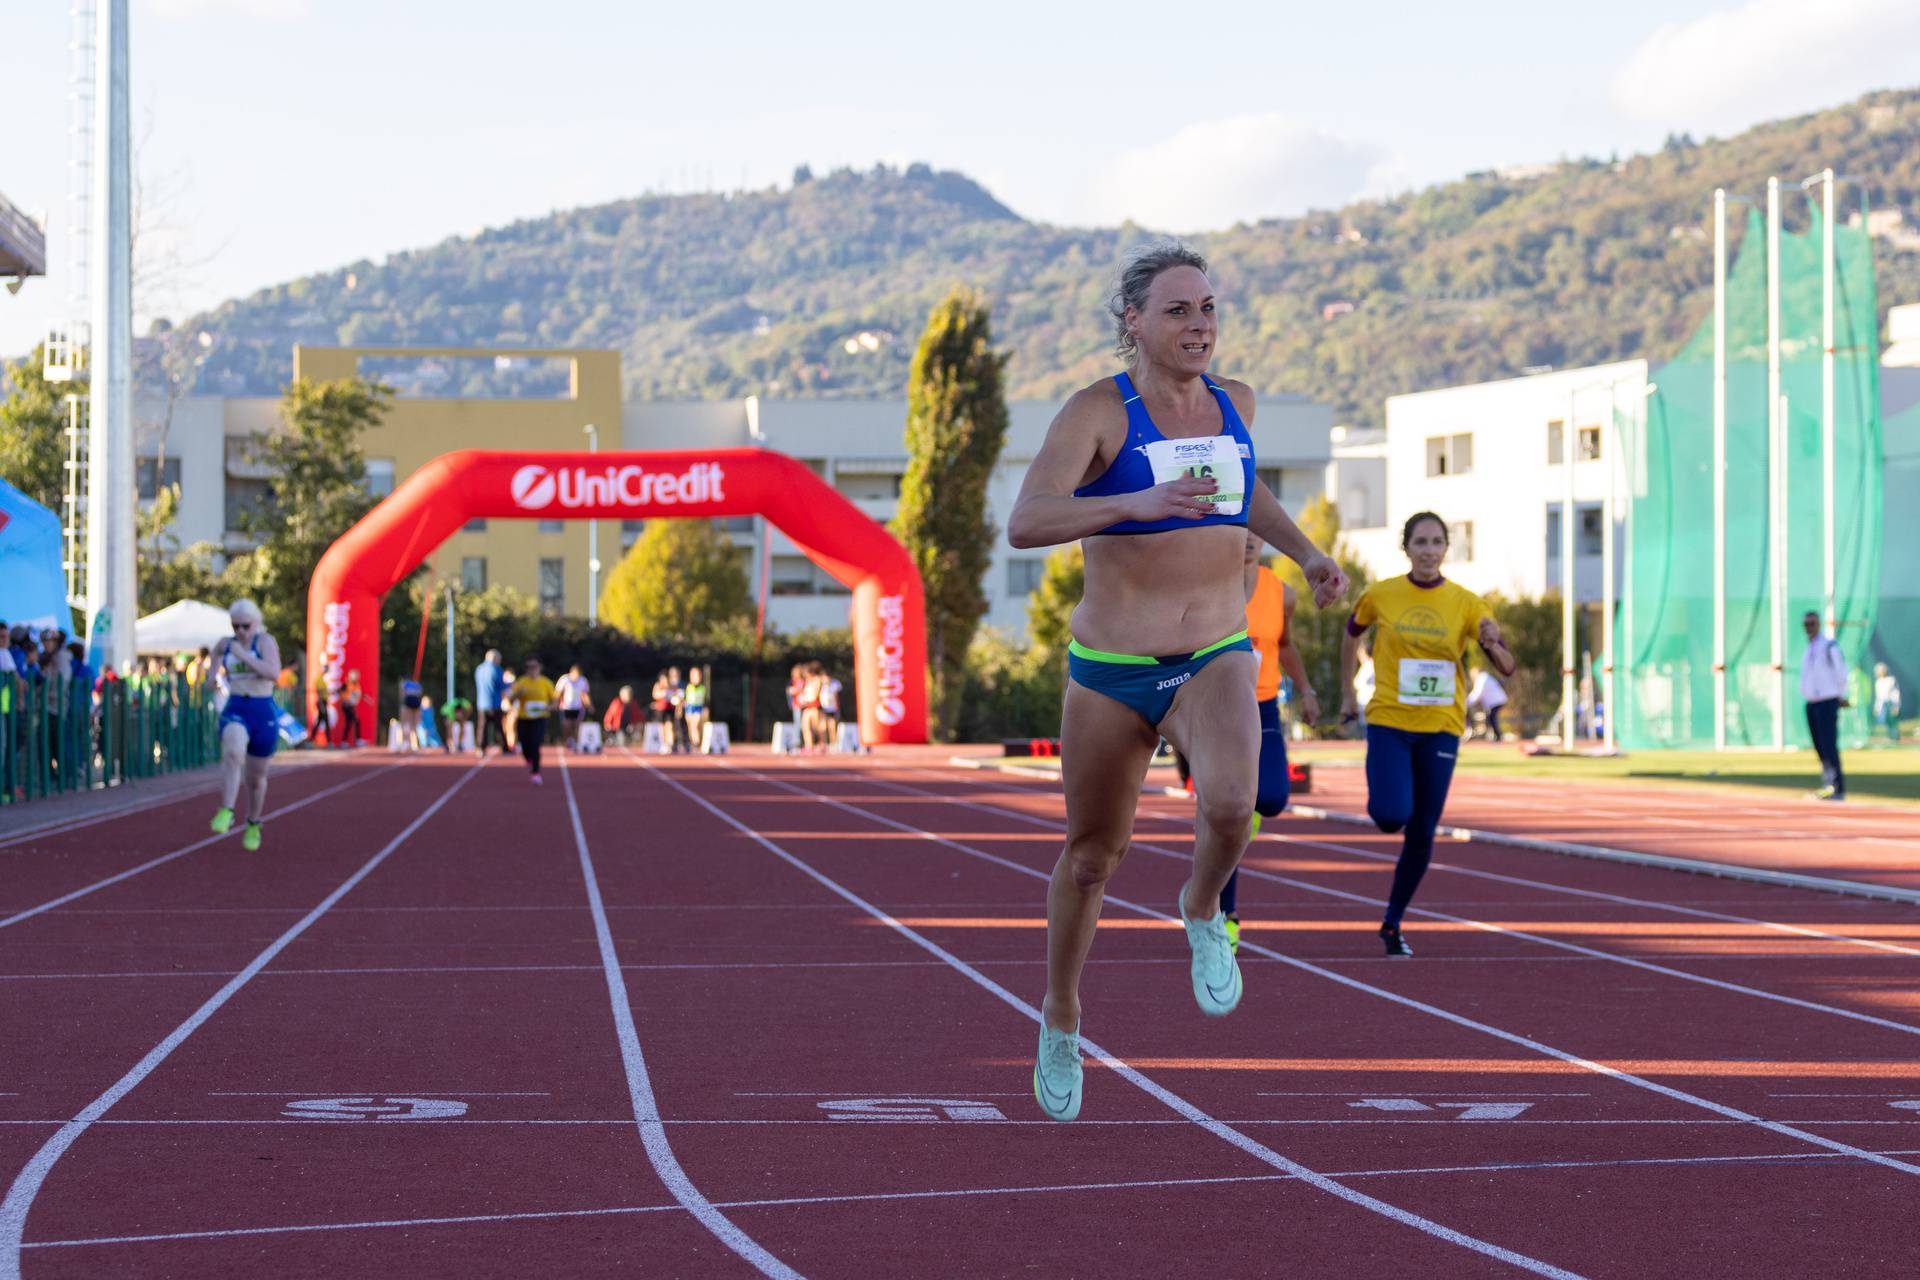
x=1419, y=707
x=531, y=697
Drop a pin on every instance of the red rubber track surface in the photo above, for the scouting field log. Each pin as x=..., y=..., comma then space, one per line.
x=1877, y=844
x=825, y=962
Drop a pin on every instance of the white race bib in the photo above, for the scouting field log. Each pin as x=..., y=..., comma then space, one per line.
x=1214, y=457
x=1426, y=682
x=533, y=710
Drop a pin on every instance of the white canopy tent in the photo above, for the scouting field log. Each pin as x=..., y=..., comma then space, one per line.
x=181, y=627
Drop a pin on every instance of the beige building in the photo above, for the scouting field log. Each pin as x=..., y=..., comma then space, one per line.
x=856, y=445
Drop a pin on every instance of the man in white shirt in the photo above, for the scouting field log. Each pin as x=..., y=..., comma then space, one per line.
x=1823, y=685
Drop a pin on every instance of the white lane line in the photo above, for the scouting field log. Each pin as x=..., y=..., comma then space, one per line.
x=1246, y=944
x=1150, y=1184
x=165, y=858
x=378, y=1093
x=646, y=1110
x=389, y=1122
x=1166, y=1097
x=20, y=1196
x=1455, y=869
x=61, y=826
x=801, y=1201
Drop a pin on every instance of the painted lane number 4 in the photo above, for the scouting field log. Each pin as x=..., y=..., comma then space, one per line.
x=372, y=1108
x=1467, y=1110
x=909, y=1109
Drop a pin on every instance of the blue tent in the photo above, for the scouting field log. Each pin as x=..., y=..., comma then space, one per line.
x=33, y=585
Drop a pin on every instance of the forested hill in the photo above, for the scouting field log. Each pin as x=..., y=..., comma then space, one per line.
x=770, y=291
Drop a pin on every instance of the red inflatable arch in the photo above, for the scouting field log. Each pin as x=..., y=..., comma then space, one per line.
x=888, y=612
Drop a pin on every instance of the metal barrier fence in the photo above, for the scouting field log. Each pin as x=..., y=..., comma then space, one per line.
x=57, y=737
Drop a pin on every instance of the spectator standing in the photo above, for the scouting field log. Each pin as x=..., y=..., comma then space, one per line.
x=350, y=697
x=489, y=700
x=322, y=726
x=576, y=703
x=410, y=698
x=1823, y=687
x=1487, y=696
x=696, y=705
x=796, y=685
x=1886, y=701
x=829, y=708
x=677, y=703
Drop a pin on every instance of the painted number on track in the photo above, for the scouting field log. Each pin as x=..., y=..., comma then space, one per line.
x=1467, y=1110
x=374, y=1108
x=909, y=1109
x=1910, y=1104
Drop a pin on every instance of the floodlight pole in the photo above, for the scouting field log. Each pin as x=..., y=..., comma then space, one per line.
x=593, y=541
x=1568, y=435
x=1826, y=397
x=1776, y=473
x=111, y=588
x=1720, y=469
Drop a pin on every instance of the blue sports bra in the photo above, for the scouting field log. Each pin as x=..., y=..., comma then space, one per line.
x=1130, y=471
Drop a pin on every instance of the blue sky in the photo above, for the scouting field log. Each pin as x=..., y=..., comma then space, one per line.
x=279, y=137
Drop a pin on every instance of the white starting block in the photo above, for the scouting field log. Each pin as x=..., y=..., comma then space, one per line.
x=462, y=735
x=589, y=740
x=653, y=740
x=849, y=739
x=786, y=738
x=713, y=738
x=393, y=735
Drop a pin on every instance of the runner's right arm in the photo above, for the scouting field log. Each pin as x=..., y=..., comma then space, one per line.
x=1047, y=514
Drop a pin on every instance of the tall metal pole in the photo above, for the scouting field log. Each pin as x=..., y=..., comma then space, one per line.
x=1826, y=399
x=443, y=706
x=1720, y=469
x=1776, y=473
x=1609, y=443
x=111, y=586
x=593, y=542
x=1568, y=435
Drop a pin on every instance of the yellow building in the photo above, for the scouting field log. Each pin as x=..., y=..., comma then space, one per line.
x=546, y=559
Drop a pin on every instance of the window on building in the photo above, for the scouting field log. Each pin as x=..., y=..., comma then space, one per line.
x=553, y=585
x=1024, y=574
x=630, y=531
x=1450, y=455
x=1589, y=444
x=477, y=524
x=244, y=498
x=1556, y=431
x=473, y=573
x=733, y=524
x=379, y=476
x=1460, y=549
x=153, y=474
x=553, y=526
x=1586, y=539
x=790, y=576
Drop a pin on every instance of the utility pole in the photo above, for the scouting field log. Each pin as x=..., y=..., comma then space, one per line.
x=111, y=587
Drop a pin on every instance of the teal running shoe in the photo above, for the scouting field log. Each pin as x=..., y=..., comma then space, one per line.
x=1216, y=975
x=1056, y=1073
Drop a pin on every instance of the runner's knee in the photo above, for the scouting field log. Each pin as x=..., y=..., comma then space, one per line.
x=1230, y=813
x=1389, y=813
x=1092, y=861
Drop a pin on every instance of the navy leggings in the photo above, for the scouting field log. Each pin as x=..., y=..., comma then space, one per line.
x=1407, y=779
x=1270, y=797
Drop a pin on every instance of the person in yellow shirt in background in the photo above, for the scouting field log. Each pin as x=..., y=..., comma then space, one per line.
x=531, y=697
x=1422, y=624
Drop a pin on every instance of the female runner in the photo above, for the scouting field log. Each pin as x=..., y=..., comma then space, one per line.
x=248, y=663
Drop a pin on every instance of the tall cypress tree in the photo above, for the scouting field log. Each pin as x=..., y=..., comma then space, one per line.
x=956, y=424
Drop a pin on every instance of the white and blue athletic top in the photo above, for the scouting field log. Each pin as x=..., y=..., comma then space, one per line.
x=1131, y=471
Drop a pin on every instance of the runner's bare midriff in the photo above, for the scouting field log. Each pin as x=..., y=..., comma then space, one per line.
x=1163, y=593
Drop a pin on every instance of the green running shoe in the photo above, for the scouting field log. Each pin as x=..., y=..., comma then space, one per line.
x=222, y=821
x=1233, y=934
x=1056, y=1073
x=1216, y=976
x=250, y=838
x=1255, y=833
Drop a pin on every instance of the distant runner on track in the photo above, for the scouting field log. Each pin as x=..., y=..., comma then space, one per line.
x=1423, y=624
x=247, y=663
x=1154, y=469
x=531, y=697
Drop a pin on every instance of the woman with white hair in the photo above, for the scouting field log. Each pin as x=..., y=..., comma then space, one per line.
x=247, y=663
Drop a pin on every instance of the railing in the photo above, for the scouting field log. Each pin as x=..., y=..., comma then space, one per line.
x=58, y=737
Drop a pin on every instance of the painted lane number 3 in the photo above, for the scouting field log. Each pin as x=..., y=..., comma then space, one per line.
x=909, y=1109
x=372, y=1108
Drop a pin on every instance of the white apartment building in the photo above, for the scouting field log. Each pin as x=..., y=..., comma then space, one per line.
x=1488, y=458
x=856, y=445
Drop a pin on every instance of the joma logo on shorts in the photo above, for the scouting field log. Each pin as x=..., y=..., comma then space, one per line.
x=1174, y=683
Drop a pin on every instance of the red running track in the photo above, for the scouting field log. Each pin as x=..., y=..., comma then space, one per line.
x=775, y=1016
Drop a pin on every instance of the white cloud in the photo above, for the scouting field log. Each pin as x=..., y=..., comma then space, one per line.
x=1218, y=172
x=185, y=10
x=1768, y=58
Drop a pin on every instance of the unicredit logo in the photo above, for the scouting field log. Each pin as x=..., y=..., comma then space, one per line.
x=892, y=707
x=535, y=488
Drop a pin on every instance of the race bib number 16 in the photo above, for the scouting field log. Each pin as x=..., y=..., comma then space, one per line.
x=1426, y=682
x=1212, y=457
